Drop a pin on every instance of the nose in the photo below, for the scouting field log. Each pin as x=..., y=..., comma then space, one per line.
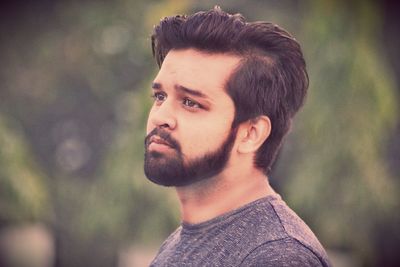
x=162, y=116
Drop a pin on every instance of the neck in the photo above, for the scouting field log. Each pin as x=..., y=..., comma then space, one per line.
x=220, y=194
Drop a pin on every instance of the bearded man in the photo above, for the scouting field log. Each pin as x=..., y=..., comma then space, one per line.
x=224, y=99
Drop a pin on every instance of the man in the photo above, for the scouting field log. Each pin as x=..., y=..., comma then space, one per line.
x=224, y=98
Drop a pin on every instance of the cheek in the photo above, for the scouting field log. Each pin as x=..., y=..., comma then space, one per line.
x=205, y=138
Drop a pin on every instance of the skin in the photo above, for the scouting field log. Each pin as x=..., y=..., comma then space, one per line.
x=190, y=102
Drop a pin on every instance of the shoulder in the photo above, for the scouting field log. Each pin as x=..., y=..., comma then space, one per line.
x=296, y=244
x=285, y=252
x=296, y=229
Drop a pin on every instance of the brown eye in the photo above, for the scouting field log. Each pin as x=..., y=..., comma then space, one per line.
x=190, y=103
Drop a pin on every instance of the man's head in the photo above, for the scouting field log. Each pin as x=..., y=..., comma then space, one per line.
x=265, y=71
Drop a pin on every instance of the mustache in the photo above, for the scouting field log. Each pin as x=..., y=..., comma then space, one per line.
x=165, y=136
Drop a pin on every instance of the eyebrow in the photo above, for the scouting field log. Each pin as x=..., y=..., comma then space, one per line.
x=189, y=91
x=181, y=89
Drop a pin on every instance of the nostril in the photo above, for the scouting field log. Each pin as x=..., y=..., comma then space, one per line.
x=165, y=125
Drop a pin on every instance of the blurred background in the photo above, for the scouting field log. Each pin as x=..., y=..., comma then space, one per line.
x=74, y=97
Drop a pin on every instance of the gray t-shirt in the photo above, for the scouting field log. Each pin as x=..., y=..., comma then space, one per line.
x=265, y=232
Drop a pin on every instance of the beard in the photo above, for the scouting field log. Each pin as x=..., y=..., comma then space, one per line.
x=171, y=170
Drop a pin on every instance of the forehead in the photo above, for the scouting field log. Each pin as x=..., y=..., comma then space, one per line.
x=198, y=70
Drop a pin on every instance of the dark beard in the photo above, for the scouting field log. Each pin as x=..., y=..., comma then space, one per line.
x=171, y=170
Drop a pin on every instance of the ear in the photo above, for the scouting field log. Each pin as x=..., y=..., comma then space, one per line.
x=253, y=133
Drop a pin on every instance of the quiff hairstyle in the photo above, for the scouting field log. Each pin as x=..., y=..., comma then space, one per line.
x=271, y=78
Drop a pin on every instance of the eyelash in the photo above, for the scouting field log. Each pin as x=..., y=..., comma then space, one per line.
x=155, y=96
x=194, y=104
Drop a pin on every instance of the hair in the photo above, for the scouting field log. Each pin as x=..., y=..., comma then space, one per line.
x=270, y=79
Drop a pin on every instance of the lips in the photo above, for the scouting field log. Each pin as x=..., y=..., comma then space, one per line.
x=158, y=140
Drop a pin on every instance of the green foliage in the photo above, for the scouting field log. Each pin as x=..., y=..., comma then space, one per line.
x=339, y=179
x=23, y=195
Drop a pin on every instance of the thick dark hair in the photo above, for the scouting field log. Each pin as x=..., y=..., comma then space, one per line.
x=271, y=78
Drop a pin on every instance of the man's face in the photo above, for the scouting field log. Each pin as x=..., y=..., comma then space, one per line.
x=189, y=135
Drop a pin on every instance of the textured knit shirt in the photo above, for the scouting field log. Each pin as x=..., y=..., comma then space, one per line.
x=265, y=232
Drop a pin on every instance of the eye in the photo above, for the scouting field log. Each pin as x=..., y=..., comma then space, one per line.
x=190, y=103
x=159, y=97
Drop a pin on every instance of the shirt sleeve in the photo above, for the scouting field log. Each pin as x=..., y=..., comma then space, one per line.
x=282, y=253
